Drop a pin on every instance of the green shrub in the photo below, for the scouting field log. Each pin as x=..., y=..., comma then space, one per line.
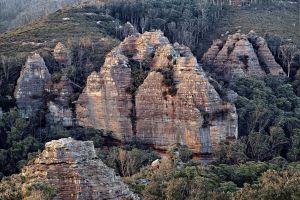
x=185, y=154
x=168, y=81
x=56, y=77
x=10, y=188
x=128, y=162
x=48, y=191
x=177, y=189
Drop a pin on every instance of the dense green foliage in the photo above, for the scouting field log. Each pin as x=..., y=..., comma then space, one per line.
x=269, y=119
x=17, y=142
x=266, y=103
x=128, y=160
x=21, y=139
x=257, y=165
x=251, y=180
x=11, y=189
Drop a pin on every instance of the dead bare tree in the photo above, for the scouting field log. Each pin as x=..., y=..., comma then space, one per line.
x=287, y=53
x=5, y=66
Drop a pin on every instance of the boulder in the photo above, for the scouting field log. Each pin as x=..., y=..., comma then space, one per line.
x=156, y=163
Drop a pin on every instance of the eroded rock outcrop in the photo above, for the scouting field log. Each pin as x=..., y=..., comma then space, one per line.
x=59, y=110
x=157, y=93
x=36, y=91
x=73, y=168
x=104, y=103
x=241, y=55
x=62, y=54
x=128, y=29
x=265, y=57
x=30, y=86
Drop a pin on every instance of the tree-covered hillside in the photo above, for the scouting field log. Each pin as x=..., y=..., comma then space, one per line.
x=267, y=151
x=15, y=13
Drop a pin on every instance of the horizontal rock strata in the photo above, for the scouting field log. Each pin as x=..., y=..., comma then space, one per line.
x=157, y=93
x=35, y=91
x=241, y=55
x=74, y=170
x=30, y=86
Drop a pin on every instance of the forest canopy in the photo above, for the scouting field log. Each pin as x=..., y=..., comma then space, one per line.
x=266, y=152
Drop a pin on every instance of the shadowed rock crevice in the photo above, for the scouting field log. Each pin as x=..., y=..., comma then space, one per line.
x=139, y=72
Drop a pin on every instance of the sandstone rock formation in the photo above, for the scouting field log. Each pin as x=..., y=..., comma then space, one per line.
x=62, y=55
x=104, y=103
x=30, y=86
x=58, y=107
x=129, y=29
x=73, y=168
x=239, y=56
x=265, y=57
x=157, y=93
x=36, y=91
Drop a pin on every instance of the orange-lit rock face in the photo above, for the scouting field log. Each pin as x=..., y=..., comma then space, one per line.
x=239, y=56
x=104, y=103
x=30, y=86
x=175, y=103
x=167, y=120
x=73, y=168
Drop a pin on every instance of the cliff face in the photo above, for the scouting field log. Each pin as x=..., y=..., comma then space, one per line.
x=30, y=86
x=239, y=56
x=73, y=168
x=156, y=92
x=59, y=111
x=104, y=103
x=35, y=91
